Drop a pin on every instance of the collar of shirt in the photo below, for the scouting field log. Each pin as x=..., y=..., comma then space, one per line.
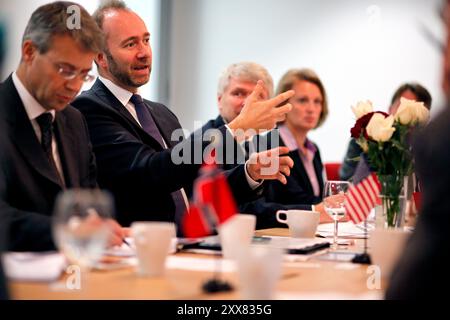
x=290, y=142
x=120, y=93
x=33, y=108
x=224, y=121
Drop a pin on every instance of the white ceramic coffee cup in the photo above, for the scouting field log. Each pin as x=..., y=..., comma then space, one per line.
x=236, y=233
x=152, y=241
x=386, y=247
x=302, y=223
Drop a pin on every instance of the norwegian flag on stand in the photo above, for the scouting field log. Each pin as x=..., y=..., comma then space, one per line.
x=363, y=194
x=213, y=203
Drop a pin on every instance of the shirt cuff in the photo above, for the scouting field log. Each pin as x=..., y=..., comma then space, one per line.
x=252, y=183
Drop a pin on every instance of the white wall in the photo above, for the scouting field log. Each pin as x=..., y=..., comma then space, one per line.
x=361, y=49
x=16, y=14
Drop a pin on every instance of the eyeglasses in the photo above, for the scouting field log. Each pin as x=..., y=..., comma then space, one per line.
x=70, y=74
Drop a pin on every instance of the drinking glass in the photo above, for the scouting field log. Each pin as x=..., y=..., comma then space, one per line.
x=80, y=225
x=333, y=201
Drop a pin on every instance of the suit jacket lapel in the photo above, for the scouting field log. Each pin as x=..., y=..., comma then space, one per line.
x=67, y=153
x=299, y=168
x=105, y=95
x=318, y=168
x=219, y=122
x=23, y=134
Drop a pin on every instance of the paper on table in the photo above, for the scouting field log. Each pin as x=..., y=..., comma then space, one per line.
x=122, y=251
x=126, y=250
x=293, y=243
x=200, y=264
x=345, y=229
x=30, y=266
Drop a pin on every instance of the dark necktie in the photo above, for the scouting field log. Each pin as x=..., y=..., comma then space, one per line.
x=45, y=122
x=149, y=125
x=146, y=119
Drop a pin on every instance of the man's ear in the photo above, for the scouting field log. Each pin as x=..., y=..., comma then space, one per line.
x=29, y=51
x=101, y=60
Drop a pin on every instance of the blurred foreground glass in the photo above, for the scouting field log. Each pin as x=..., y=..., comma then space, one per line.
x=333, y=201
x=81, y=227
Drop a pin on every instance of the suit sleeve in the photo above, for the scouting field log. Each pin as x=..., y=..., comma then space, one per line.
x=28, y=231
x=90, y=180
x=123, y=158
x=23, y=230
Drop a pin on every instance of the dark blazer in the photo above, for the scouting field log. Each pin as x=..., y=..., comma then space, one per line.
x=348, y=167
x=3, y=219
x=266, y=206
x=233, y=154
x=422, y=271
x=3, y=285
x=298, y=189
x=133, y=165
x=31, y=185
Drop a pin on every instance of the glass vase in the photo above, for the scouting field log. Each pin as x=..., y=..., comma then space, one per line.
x=393, y=198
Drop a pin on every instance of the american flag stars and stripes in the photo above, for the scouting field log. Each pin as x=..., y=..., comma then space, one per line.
x=363, y=194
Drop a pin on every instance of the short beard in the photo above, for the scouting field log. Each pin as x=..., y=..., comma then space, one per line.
x=119, y=74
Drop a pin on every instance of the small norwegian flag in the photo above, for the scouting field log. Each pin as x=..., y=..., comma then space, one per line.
x=213, y=203
x=363, y=195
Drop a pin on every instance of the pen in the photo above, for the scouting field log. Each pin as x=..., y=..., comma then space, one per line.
x=126, y=242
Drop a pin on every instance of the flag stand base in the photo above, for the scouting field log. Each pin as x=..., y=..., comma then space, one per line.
x=362, y=258
x=216, y=285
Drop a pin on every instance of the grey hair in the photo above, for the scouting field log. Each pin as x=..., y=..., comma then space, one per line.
x=52, y=19
x=106, y=5
x=246, y=71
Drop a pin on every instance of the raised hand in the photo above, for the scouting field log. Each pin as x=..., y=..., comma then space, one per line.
x=273, y=164
x=259, y=114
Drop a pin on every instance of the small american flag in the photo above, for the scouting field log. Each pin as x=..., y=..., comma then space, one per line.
x=363, y=195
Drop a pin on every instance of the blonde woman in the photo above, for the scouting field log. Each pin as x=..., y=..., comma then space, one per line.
x=310, y=109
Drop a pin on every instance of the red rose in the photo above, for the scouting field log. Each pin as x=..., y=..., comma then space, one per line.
x=361, y=124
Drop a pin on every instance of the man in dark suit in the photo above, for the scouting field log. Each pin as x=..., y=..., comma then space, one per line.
x=49, y=142
x=3, y=151
x=3, y=208
x=138, y=160
x=422, y=270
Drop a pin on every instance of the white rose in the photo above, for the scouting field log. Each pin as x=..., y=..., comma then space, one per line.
x=423, y=114
x=411, y=112
x=380, y=128
x=362, y=108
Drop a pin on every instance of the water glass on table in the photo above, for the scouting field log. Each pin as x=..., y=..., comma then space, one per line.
x=333, y=201
x=81, y=225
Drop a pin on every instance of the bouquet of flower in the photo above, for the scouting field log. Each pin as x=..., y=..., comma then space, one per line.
x=385, y=140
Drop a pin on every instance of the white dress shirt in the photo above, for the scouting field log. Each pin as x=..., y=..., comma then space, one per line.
x=34, y=109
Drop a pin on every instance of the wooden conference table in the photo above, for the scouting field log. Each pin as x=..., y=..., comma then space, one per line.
x=311, y=279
